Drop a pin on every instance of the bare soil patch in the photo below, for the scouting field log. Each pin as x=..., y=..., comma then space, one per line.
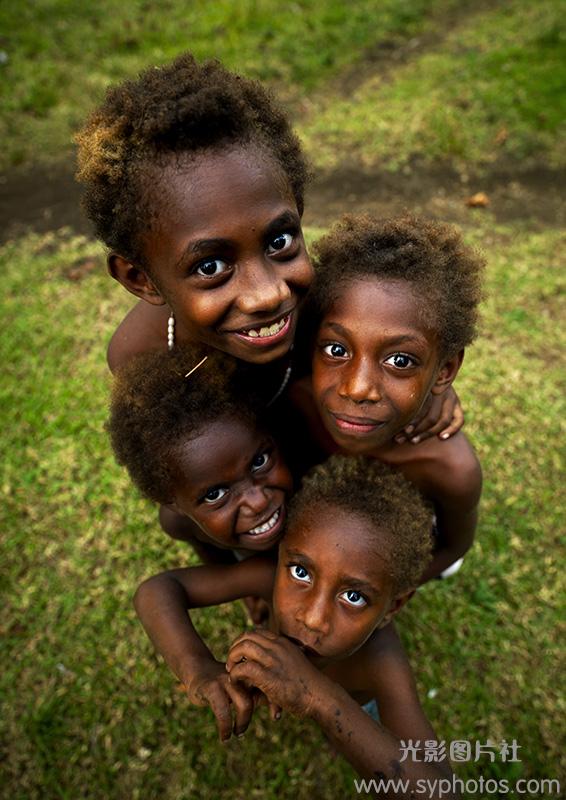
x=47, y=198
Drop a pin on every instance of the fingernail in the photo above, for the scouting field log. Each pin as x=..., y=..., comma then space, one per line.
x=400, y=439
x=240, y=735
x=278, y=715
x=415, y=440
x=444, y=435
x=409, y=428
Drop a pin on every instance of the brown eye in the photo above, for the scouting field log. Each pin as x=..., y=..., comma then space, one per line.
x=401, y=361
x=260, y=461
x=280, y=242
x=355, y=598
x=211, y=267
x=299, y=572
x=335, y=350
x=215, y=494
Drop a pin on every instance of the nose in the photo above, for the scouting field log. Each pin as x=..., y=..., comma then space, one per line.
x=314, y=613
x=360, y=383
x=255, y=499
x=263, y=287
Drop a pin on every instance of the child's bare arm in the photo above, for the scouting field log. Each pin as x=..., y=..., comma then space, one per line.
x=456, y=493
x=143, y=330
x=162, y=603
x=282, y=672
x=442, y=416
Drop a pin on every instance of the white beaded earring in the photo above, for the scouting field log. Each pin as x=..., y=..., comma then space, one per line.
x=171, y=331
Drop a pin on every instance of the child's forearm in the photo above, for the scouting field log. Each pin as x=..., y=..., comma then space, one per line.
x=455, y=534
x=281, y=671
x=372, y=750
x=161, y=604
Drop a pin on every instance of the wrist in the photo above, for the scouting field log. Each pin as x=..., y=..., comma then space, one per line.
x=192, y=670
x=326, y=696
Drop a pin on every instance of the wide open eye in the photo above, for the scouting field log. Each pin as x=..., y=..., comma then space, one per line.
x=280, y=243
x=401, y=361
x=354, y=598
x=260, y=460
x=215, y=494
x=335, y=350
x=211, y=267
x=300, y=573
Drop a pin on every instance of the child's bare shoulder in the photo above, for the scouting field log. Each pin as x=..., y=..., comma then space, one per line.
x=379, y=658
x=446, y=468
x=143, y=329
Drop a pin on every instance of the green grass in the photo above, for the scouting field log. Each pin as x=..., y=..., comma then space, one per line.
x=489, y=86
x=91, y=712
x=62, y=54
x=493, y=89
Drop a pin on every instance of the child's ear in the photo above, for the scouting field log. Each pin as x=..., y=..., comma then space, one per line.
x=134, y=279
x=447, y=373
x=396, y=606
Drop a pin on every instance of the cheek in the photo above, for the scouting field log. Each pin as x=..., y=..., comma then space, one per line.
x=200, y=309
x=282, y=479
x=322, y=380
x=303, y=274
x=355, y=635
x=217, y=525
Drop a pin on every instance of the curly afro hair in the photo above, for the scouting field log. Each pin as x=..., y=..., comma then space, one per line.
x=445, y=274
x=395, y=509
x=154, y=409
x=169, y=112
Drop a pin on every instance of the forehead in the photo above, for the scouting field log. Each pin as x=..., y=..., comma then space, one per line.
x=391, y=308
x=209, y=192
x=341, y=543
x=220, y=452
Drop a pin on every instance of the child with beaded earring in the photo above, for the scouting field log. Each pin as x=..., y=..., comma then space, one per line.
x=357, y=541
x=195, y=181
x=395, y=304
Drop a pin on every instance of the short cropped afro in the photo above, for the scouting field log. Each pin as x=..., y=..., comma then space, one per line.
x=169, y=112
x=445, y=273
x=393, y=506
x=155, y=409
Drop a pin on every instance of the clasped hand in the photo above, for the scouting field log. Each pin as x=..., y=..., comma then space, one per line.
x=261, y=668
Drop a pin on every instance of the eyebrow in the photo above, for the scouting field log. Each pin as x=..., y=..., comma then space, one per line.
x=203, y=246
x=403, y=337
x=358, y=583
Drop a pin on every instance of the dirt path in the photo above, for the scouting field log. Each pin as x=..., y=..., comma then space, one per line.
x=47, y=198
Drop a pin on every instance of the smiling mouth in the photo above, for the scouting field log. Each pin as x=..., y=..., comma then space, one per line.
x=268, y=525
x=266, y=334
x=268, y=531
x=350, y=424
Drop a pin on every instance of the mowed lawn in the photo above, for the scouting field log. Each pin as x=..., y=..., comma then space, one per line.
x=88, y=709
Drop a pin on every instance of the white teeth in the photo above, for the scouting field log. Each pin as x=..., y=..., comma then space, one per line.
x=254, y=333
x=267, y=525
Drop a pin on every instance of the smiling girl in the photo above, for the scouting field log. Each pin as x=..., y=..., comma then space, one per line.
x=396, y=304
x=197, y=441
x=195, y=182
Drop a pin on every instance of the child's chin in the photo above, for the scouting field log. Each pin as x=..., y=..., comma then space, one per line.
x=359, y=446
